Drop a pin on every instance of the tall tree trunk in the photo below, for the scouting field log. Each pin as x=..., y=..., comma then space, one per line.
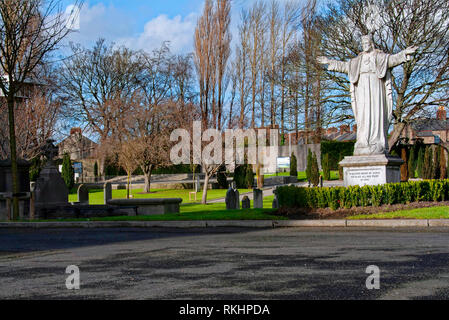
x=13, y=150
x=205, y=186
x=127, y=185
x=395, y=135
x=147, y=170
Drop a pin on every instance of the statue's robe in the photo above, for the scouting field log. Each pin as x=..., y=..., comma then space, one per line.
x=371, y=96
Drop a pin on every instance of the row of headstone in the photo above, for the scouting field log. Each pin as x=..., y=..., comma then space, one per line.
x=233, y=199
x=83, y=193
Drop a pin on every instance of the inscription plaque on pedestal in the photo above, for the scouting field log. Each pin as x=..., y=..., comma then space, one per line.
x=371, y=170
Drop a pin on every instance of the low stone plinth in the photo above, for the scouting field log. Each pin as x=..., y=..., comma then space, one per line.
x=371, y=170
x=147, y=207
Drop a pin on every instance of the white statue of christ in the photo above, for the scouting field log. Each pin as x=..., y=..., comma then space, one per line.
x=371, y=93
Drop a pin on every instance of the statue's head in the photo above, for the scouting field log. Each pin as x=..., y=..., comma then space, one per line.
x=367, y=43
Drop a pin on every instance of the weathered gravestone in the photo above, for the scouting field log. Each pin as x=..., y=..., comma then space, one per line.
x=246, y=203
x=230, y=199
x=83, y=194
x=237, y=199
x=107, y=189
x=51, y=190
x=258, y=199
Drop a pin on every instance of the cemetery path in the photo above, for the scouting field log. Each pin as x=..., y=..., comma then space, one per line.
x=224, y=263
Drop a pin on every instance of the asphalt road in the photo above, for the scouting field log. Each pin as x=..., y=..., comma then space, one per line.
x=224, y=263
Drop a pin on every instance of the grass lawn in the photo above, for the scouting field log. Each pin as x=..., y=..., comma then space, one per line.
x=302, y=175
x=194, y=211
x=424, y=213
x=96, y=195
x=188, y=211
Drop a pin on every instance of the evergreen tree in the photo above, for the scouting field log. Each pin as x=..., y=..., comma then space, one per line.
x=326, y=167
x=68, y=173
x=340, y=168
x=315, y=172
x=309, y=165
x=222, y=178
x=443, y=164
x=412, y=163
x=428, y=163
x=96, y=169
x=436, y=163
x=293, y=166
x=421, y=162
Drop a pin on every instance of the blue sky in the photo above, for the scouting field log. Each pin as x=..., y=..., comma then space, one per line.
x=142, y=24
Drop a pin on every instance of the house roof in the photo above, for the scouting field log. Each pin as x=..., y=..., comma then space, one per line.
x=430, y=125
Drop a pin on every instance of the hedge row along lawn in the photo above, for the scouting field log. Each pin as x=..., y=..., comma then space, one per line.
x=355, y=196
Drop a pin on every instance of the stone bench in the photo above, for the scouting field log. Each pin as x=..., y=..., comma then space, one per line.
x=149, y=206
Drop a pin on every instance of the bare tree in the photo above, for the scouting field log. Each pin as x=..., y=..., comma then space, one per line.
x=212, y=40
x=29, y=30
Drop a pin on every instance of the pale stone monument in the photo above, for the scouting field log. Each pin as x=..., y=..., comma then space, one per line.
x=372, y=104
x=258, y=199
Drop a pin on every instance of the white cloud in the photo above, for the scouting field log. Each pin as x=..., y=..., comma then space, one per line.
x=179, y=31
x=101, y=21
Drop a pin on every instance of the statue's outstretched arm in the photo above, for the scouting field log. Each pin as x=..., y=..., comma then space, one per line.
x=401, y=57
x=334, y=65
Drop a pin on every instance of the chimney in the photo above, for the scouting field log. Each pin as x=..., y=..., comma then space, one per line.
x=441, y=113
x=75, y=131
x=344, y=129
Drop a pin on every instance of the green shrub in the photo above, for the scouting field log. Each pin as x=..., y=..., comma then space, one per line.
x=411, y=163
x=35, y=168
x=68, y=173
x=339, y=197
x=222, y=178
x=336, y=151
x=428, y=163
x=315, y=171
x=326, y=167
x=293, y=166
x=365, y=196
x=309, y=165
x=437, y=192
x=355, y=195
x=377, y=195
x=244, y=176
x=421, y=163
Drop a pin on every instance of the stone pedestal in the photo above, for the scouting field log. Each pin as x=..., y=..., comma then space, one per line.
x=371, y=170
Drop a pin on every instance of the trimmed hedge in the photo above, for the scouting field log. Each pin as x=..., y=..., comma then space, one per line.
x=355, y=196
x=336, y=150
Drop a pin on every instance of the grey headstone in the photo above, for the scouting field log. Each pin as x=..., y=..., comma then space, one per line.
x=230, y=199
x=237, y=199
x=50, y=187
x=246, y=203
x=83, y=194
x=275, y=203
x=258, y=199
x=107, y=189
